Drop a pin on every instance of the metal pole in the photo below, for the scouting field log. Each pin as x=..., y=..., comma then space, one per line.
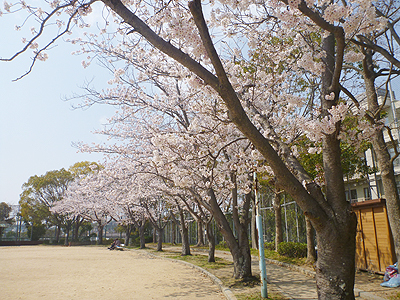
x=286, y=227
x=297, y=223
x=263, y=270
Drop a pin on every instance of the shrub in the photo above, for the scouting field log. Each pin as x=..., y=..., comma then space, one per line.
x=148, y=239
x=222, y=245
x=269, y=246
x=293, y=250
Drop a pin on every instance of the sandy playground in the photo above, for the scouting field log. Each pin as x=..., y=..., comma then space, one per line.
x=56, y=272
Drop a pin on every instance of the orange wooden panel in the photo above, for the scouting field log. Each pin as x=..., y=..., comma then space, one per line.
x=360, y=253
x=371, y=253
x=383, y=238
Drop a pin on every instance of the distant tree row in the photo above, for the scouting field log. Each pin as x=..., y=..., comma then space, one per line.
x=41, y=193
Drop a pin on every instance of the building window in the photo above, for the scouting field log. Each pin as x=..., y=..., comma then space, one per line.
x=353, y=195
x=367, y=193
x=397, y=160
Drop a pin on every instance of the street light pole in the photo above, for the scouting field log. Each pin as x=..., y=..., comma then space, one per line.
x=263, y=270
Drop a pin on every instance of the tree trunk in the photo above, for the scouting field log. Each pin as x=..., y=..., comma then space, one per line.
x=128, y=234
x=141, y=236
x=100, y=234
x=390, y=190
x=154, y=234
x=278, y=220
x=73, y=238
x=58, y=231
x=173, y=233
x=160, y=238
x=336, y=280
x=385, y=164
x=311, y=253
x=211, y=243
x=78, y=223
x=239, y=249
x=67, y=229
x=336, y=229
x=200, y=233
x=184, y=234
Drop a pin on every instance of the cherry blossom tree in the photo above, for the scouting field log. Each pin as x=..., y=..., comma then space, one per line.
x=211, y=44
x=181, y=125
x=373, y=56
x=91, y=199
x=79, y=169
x=135, y=217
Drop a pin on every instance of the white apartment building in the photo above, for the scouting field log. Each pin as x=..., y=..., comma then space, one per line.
x=370, y=187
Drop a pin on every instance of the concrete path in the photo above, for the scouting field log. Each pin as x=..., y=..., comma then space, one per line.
x=293, y=285
x=292, y=281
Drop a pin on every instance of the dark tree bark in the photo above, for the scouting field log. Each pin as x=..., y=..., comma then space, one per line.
x=77, y=224
x=67, y=230
x=158, y=220
x=128, y=230
x=335, y=235
x=278, y=219
x=160, y=232
x=141, y=236
x=184, y=234
x=211, y=242
x=183, y=229
x=385, y=162
x=141, y=226
x=100, y=228
x=67, y=227
x=58, y=232
x=173, y=233
x=311, y=253
x=154, y=234
x=239, y=247
x=200, y=233
x=202, y=217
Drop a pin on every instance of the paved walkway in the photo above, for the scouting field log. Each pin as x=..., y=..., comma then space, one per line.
x=297, y=283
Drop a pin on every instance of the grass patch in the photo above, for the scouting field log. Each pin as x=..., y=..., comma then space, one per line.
x=202, y=261
x=396, y=297
x=254, y=281
x=272, y=254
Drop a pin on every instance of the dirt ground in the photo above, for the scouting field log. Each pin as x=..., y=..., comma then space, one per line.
x=56, y=272
x=370, y=282
x=86, y=273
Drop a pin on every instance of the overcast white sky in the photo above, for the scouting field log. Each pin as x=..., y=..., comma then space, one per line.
x=37, y=127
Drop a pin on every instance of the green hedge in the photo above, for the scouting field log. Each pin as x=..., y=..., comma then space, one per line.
x=291, y=249
x=269, y=246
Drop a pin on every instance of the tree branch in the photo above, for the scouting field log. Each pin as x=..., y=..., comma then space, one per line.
x=378, y=49
x=159, y=43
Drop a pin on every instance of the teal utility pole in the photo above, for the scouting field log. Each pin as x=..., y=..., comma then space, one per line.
x=263, y=270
